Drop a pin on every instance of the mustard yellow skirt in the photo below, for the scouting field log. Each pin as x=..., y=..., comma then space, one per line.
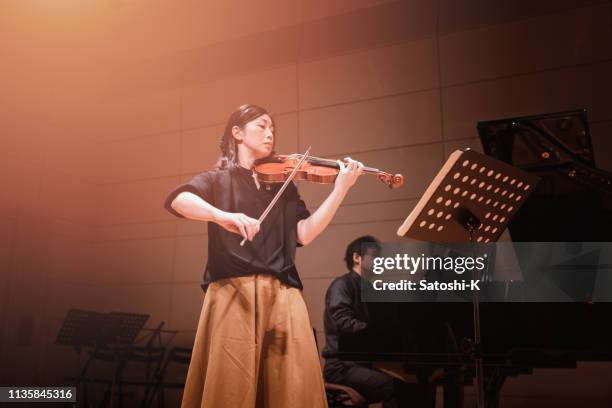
x=254, y=348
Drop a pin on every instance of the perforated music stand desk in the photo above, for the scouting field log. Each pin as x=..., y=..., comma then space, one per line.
x=469, y=185
x=80, y=328
x=130, y=324
x=89, y=328
x=472, y=199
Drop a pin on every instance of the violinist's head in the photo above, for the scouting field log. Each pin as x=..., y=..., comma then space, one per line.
x=248, y=136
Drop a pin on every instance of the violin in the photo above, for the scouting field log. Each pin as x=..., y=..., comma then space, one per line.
x=314, y=169
x=285, y=168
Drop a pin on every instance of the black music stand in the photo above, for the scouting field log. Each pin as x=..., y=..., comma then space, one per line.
x=88, y=328
x=130, y=324
x=471, y=199
x=155, y=334
x=81, y=328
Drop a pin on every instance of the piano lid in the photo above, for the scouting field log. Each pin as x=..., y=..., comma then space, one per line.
x=573, y=201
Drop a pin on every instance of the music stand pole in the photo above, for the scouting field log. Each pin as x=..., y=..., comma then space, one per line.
x=471, y=225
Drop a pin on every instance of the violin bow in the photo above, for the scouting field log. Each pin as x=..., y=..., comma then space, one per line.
x=280, y=191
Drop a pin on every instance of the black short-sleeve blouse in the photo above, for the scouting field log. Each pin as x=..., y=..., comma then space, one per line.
x=272, y=250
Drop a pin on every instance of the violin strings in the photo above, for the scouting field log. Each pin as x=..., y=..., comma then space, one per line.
x=334, y=163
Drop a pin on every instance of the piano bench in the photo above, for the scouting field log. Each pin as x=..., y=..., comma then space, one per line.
x=350, y=397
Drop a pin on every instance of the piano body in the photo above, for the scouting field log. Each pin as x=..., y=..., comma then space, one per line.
x=572, y=203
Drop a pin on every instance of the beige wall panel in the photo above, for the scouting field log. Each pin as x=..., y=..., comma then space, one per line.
x=474, y=144
x=418, y=165
x=286, y=133
x=71, y=229
x=8, y=209
x=588, y=86
x=159, y=229
x=220, y=21
x=200, y=148
x=136, y=202
x=317, y=9
x=66, y=197
x=568, y=38
x=387, y=23
x=211, y=103
x=142, y=114
x=186, y=306
x=391, y=210
x=191, y=227
x=324, y=257
x=140, y=158
x=376, y=124
x=369, y=74
x=70, y=260
x=191, y=257
x=74, y=155
x=95, y=121
x=154, y=300
x=25, y=137
x=27, y=294
x=31, y=252
x=135, y=261
x=62, y=296
x=20, y=184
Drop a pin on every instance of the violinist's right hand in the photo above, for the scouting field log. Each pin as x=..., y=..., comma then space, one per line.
x=238, y=223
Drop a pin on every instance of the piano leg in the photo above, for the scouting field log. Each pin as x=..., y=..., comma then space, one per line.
x=494, y=383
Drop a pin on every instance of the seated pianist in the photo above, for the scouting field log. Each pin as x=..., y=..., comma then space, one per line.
x=346, y=314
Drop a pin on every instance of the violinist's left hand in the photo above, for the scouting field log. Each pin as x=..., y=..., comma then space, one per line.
x=348, y=173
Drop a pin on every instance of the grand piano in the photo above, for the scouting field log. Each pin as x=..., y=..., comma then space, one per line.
x=572, y=203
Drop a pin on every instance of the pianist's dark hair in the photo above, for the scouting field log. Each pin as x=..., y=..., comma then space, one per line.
x=355, y=247
x=229, y=149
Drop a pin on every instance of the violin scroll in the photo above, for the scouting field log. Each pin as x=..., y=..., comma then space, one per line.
x=391, y=180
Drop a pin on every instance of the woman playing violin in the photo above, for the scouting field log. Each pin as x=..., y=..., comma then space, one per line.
x=254, y=344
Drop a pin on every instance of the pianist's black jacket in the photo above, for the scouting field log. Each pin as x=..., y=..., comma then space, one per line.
x=344, y=312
